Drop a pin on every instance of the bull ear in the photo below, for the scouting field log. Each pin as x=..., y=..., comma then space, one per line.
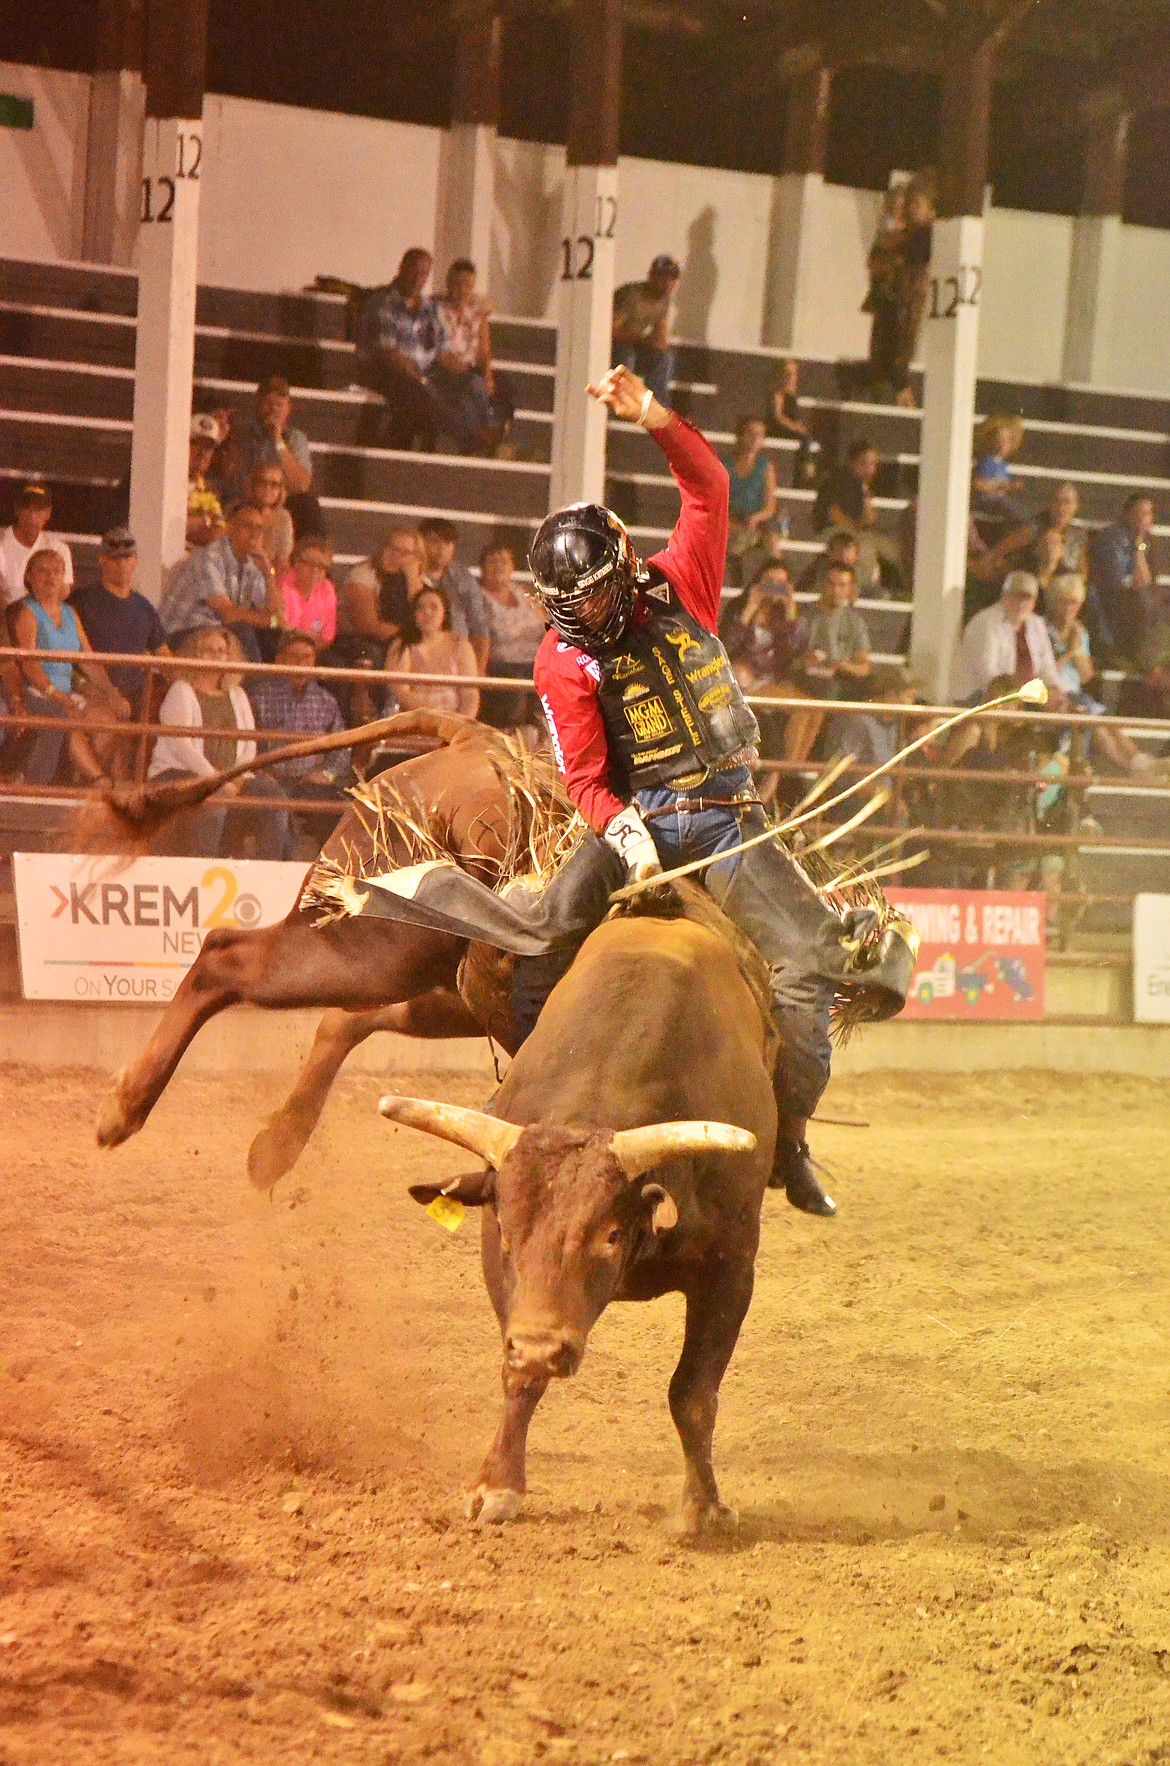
x=665, y=1213
x=492, y=1139
x=473, y=1188
x=641, y=1149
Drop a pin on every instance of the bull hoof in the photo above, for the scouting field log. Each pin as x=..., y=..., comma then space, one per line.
x=488, y=1508
x=115, y=1123
x=700, y=1518
x=274, y=1152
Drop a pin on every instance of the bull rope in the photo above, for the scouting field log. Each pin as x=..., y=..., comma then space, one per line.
x=1032, y=692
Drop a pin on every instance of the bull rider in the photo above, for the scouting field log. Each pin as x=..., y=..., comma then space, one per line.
x=655, y=744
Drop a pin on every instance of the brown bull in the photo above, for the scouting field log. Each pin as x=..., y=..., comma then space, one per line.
x=651, y=1055
x=381, y=975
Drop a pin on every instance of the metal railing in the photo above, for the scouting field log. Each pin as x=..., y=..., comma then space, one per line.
x=904, y=823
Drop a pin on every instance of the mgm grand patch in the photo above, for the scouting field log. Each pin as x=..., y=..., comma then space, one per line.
x=649, y=720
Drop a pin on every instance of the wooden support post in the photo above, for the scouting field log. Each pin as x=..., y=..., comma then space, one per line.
x=949, y=350
x=168, y=251
x=113, y=147
x=1092, y=285
x=588, y=229
x=463, y=221
x=797, y=210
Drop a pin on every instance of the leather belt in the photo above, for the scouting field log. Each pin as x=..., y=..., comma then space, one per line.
x=691, y=805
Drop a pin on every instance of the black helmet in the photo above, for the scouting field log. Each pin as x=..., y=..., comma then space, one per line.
x=585, y=573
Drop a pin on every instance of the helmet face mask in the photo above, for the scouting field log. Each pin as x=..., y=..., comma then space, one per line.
x=585, y=574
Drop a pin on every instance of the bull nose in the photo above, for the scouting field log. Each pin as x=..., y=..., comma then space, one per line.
x=553, y=1354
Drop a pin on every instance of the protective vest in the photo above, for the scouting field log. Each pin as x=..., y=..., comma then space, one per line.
x=671, y=706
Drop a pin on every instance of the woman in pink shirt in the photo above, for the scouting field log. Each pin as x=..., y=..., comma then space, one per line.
x=310, y=599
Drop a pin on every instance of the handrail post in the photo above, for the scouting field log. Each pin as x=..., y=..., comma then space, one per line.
x=144, y=743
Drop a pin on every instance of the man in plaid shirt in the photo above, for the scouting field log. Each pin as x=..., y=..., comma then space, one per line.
x=299, y=703
x=401, y=339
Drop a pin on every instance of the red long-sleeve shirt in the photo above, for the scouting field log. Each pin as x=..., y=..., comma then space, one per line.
x=567, y=678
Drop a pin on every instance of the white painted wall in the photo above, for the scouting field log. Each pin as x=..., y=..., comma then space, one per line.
x=848, y=222
x=42, y=169
x=1141, y=316
x=291, y=193
x=1026, y=260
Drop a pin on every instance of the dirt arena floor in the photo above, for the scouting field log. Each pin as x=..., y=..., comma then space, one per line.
x=233, y=1435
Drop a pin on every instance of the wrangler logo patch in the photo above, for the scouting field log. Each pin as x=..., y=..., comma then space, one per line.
x=648, y=721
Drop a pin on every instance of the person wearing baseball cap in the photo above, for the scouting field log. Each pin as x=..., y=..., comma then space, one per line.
x=641, y=326
x=117, y=618
x=204, y=510
x=32, y=510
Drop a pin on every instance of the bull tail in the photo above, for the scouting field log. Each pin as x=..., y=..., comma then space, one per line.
x=128, y=819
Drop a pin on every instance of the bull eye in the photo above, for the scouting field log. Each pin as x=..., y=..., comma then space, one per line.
x=614, y=1237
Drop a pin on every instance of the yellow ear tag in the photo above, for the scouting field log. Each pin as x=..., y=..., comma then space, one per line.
x=448, y=1212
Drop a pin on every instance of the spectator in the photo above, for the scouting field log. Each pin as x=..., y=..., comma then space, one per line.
x=984, y=745
x=1010, y=638
x=32, y=513
x=478, y=401
x=841, y=547
x=401, y=338
x=116, y=618
x=838, y=639
x=786, y=423
x=517, y=627
x=767, y=641
x=377, y=597
x=1148, y=693
x=269, y=438
x=845, y=499
x=752, y=497
x=899, y=275
x=309, y=597
x=765, y=636
x=44, y=620
x=204, y=510
x=1063, y=600
x=268, y=492
x=995, y=495
x=641, y=326
x=227, y=582
x=213, y=730
x=1060, y=547
x=437, y=652
x=463, y=593
x=1126, y=602
x=297, y=702
x=872, y=740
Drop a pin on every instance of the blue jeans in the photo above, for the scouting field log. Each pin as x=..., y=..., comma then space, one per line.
x=656, y=367
x=43, y=755
x=770, y=900
x=684, y=834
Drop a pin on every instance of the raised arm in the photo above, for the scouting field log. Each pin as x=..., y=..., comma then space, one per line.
x=696, y=553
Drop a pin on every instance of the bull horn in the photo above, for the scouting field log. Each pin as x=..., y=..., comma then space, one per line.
x=492, y=1139
x=641, y=1149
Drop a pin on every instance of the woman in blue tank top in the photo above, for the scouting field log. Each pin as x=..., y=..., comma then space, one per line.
x=45, y=621
x=752, y=501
